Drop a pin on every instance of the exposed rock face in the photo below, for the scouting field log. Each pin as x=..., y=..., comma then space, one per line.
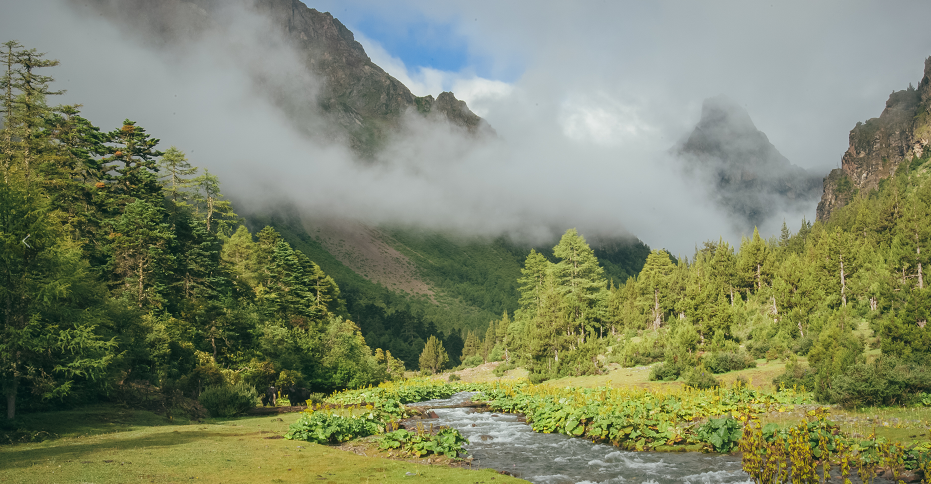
x=366, y=100
x=878, y=146
x=362, y=103
x=745, y=172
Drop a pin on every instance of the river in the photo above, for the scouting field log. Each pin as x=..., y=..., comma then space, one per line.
x=504, y=442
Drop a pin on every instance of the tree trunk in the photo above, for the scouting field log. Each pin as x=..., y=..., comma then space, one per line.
x=921, y=279
x=656, y=313
x=10, y=391
x=759, y=284
x=843, y=282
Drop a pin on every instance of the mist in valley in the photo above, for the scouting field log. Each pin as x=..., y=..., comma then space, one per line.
x=585, y=129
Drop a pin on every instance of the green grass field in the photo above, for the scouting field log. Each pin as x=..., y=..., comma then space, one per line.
x=106, y=444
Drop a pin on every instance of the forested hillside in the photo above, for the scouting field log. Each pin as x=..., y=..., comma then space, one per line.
x=829, y=293
x=126, y=269
x=473, y=280
x=126, y=273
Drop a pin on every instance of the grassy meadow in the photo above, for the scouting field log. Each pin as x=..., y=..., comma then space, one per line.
x=105, y=444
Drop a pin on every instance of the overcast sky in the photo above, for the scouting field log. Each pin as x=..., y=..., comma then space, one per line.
x=587, y=98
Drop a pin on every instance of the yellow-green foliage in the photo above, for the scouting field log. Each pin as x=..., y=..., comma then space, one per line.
x=634, y=419
x=806, y=452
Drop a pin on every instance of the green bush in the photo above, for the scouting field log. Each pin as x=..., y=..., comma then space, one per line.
x=472, y=361
x=664, y=372
x=725, y=361
x=500, y=370
x=796, y=376
x=700, y=378
x=649, y=349
x=229, y=400
x=454, y=377
x=886, y=381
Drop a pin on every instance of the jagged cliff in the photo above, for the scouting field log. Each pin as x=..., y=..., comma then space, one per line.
x=878, y=146
x=365, y=100
x=362, y=105
x=745, y=173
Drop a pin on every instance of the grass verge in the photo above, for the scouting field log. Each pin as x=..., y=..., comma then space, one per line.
x=143, y=447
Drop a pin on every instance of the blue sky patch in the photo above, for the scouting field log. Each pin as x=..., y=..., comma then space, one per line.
x=418, y=43
x=416, y=39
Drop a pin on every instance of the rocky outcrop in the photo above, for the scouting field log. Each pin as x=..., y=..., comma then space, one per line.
x=746, y=174
x=880, y=145
x=366, y=100
x=362, y=104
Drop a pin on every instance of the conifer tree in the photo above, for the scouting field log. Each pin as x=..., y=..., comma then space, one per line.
x=24, y=110
x=212, y=204
x=433, y=356
x=654, y=280
x=489, y=342
x=176, y=173
x=580, y=281
x=754, y=259
x=49, y=304
x=471, y=346
x=133, y=159
x=142, y=260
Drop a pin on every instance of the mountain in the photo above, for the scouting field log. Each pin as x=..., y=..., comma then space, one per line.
x=879, y=146
x=452, y=281
x=348, y=99
x=746, y=174
x=446, y=279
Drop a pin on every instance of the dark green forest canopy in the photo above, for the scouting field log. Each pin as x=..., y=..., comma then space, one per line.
x=124, y=267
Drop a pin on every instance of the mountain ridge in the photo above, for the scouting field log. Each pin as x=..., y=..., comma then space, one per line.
x=879, y=146
x=361, y=104
x=743, y=170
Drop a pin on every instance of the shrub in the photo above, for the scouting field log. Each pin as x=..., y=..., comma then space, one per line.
x=664, y=372
x=229, y=400
x=454, y=377
x=795, y=376
x=803, y=345
x=700, y=378
x=500, y=370
x=886, y=381
x=725, y=361
x=758, y=348
x=472, y=361
x=648, y=350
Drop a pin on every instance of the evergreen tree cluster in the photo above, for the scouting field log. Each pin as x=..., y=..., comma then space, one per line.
x=827, y=292
x=124, y=267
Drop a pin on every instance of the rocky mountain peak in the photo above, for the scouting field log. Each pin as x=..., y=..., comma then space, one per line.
x=878, y=146
x=741, y=168
x=362, y=105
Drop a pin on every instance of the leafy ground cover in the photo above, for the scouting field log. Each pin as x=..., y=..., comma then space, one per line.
x=807, y=452
x=632, y=418
x=143, y=447
x=783, y=435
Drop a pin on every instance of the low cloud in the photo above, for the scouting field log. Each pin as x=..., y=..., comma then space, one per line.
x=577, y=147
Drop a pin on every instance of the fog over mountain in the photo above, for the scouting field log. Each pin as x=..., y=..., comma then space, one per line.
x=592, y=99
x=743, y=172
